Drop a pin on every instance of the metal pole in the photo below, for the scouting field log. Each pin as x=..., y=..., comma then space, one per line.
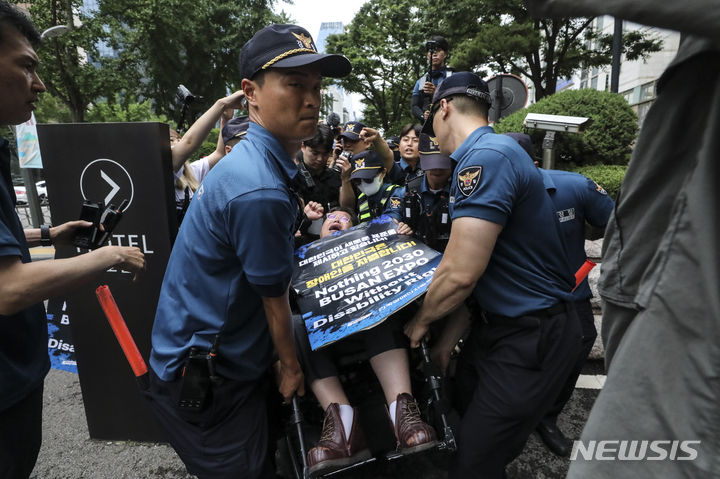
x=616, y=55
x=548, y=150
x=36, y=216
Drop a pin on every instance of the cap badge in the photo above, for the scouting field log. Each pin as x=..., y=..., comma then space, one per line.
x=305, y=41
x=434, y=141
x=359, y=163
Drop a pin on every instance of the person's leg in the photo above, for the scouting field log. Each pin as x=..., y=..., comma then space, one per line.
x=393, y=372
x=521, y=366
x=548, y=429
x=226, y=439
x=328, y=391
x=21, y=436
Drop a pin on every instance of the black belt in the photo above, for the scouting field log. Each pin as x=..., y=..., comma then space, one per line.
x=558, y=308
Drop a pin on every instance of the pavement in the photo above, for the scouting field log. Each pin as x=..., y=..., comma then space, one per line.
x=69, y=453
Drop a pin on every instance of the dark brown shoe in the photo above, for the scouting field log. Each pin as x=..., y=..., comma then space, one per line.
x=333, y=451
x=412, y=433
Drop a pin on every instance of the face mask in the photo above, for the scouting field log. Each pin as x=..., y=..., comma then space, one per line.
x=371, y=188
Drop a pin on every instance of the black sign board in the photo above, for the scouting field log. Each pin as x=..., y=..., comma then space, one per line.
x=112, y=162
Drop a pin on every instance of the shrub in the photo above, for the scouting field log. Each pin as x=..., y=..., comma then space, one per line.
x=606, y=141
x=609, y=177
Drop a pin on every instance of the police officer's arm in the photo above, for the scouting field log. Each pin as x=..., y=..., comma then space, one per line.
x=468, y=252
x=267, y=258
x=196, y=134
x=279, y=319
x=25, y=284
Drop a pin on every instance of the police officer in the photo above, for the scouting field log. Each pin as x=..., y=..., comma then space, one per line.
x=369, y=177
x=437, y=52
x=506, y=250
x=426, y=198
x=224, y=299
x=577, y=200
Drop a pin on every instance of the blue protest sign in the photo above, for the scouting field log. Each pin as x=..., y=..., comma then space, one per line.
x=355, y=279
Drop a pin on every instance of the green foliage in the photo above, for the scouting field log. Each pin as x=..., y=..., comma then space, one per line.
x=68, y=75
x=383, y=43
x=501, y=35
x=123, y=111
x=195, y=43
x=609, y=177
x=51, y=109
x=606, y=141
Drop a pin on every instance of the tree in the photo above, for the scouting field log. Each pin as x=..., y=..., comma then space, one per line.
x=501, y=35
x=194, y=43
x=64, y=65
x=383, y=43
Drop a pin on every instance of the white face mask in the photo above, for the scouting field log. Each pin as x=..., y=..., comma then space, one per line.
x=371, y=188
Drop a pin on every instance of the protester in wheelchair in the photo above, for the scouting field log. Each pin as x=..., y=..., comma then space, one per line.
x=342, y=442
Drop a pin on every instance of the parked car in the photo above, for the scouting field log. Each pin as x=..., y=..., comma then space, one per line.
x=21, y=194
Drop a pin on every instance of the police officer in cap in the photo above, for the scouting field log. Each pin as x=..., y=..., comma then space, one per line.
x=369, y=177
x=426, y=198
x=506, y=250
x=578, y=200
x=224, y=303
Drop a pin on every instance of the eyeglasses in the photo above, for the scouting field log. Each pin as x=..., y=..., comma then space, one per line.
x=341, y=218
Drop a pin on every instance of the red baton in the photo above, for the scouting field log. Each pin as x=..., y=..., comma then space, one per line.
x=117, y=323
x=582, y=273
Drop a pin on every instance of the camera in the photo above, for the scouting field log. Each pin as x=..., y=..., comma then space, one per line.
x=184, y=96
x=431, y=46
x=565, y=124
x=103, y=219
x=346, y=155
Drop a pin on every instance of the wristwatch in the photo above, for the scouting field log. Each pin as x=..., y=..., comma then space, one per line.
x=45, y=235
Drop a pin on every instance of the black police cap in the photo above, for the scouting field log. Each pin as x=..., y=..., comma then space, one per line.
x=460, y=83
x=287, y=46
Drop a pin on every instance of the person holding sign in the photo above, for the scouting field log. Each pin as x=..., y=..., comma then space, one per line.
x=224, y=299
x=505, y=249
x=342, y=441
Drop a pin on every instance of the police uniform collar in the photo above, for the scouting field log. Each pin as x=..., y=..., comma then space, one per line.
x=547, y=180
x=267, y=140
x=425, y=188
x=465, y=146
x=380, y=192
x=405, y=165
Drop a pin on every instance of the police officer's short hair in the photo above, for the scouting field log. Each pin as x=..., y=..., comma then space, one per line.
x=470, y=106
x=416, y=127
x=323, y=138
x=353, y=217
x=11, y=16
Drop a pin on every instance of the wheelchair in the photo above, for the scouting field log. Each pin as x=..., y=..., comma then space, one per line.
x=301, y=427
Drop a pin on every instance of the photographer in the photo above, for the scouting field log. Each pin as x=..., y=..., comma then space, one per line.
x=437, y=52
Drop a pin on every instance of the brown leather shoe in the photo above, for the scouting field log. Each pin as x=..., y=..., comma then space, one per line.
x=412, y=433
x=333, y=451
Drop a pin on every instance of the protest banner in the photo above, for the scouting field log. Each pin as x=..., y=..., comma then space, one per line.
x=355, y=279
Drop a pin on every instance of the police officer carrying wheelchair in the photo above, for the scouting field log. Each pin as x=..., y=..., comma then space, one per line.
x=506, y=250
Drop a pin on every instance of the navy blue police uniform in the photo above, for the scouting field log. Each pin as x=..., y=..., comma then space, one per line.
x=234, y=248
x=577, y=200
x=402, y=172
x=24, y=360
x=385, y=200
x=521, y=349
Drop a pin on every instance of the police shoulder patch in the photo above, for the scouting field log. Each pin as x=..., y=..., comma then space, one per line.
x=468, y=179
x=395, y=202
x=600, y=189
